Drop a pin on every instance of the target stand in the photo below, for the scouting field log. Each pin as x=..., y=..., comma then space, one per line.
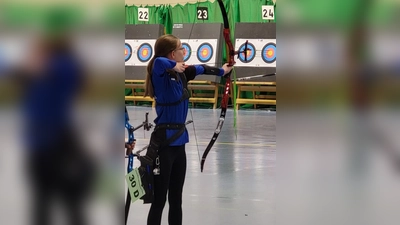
x=203, y=43
x=137, y=92
x=139, y=49
x=261, y=59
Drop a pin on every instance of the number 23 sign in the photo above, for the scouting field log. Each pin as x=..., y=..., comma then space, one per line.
x=202, y=13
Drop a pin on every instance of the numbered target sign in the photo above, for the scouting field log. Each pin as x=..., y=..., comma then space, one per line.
x=135, y=185
x=202, y=13
x=268, y=12
x=143, y=14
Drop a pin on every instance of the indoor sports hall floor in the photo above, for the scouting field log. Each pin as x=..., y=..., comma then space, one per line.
x=237, y=186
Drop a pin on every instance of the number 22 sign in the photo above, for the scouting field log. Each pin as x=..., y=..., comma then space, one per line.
x=143, y=14
x=268, y=12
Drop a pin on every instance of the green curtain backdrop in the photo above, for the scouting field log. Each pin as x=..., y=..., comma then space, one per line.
x=250, y=11
x=238, y=11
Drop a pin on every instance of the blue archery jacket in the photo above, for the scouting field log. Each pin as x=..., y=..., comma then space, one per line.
x=168, y=89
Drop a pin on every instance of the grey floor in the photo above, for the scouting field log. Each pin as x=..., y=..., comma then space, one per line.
x=237, y=185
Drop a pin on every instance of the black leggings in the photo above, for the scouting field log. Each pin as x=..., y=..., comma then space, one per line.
x=171, y=180
x=53, y=179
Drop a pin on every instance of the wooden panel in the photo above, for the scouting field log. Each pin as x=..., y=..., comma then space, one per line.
x=258, y=99
x=137, y=87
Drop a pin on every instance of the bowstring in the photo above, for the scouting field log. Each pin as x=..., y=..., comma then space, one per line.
x=190, y=109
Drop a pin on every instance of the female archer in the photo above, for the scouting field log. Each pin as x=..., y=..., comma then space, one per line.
x=166, y=82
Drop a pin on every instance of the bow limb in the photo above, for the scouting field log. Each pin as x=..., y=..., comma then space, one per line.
x=225, y=97
x=131, y=138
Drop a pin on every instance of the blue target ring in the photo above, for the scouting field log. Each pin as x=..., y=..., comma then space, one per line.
x=269, y=53
x=145, y=52
x=188, y=51
x=127, y=52
x=205, y=52
x=251, y=53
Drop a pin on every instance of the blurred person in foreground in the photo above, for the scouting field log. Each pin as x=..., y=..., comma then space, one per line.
x=57, y=166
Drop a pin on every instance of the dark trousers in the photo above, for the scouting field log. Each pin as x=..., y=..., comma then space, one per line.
x=59, y=171
x=171, y=181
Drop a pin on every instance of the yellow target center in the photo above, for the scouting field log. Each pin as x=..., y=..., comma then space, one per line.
x=248, y=52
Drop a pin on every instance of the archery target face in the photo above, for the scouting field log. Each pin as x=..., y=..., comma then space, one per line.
x=141, y=51
x=188, y=51
x=269, y=53
x=205, y=52
x=128, y=52
x=263, y=53
x=144, y=52
x=200, y=51
x=251, y=53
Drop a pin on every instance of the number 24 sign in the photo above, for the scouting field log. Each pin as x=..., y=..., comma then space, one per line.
x=268, y=12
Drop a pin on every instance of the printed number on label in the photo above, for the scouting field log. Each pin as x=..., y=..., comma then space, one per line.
x=143, y=14
x=268, y=12
x=202, y=13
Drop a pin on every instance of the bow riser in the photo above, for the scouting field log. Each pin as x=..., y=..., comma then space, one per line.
x=147, y=126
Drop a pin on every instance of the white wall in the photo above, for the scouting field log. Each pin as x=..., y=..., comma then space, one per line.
x=159, y=2
x=164, y=2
